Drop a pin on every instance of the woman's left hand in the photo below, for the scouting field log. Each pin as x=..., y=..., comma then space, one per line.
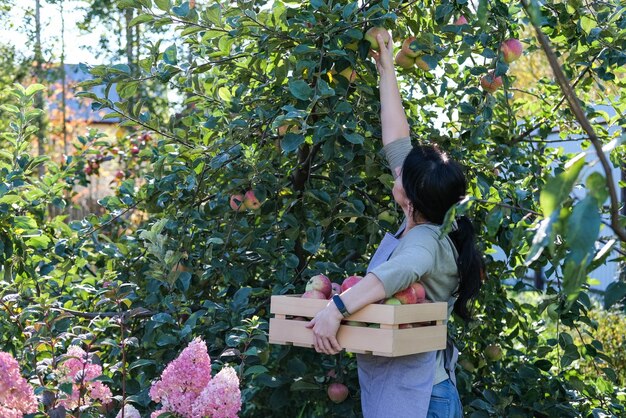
x=325, y=326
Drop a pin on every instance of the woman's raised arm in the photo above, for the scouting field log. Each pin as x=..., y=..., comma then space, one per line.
x=392, y=116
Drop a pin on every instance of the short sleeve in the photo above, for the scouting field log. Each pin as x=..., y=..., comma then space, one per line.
x=396, y=153
x=408, y=264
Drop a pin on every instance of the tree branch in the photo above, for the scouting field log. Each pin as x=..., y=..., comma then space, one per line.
x=574, y=105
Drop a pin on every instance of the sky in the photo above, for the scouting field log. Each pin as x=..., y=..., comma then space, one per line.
x=12, y=32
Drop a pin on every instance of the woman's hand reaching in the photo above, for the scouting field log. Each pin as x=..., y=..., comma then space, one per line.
x=384, y=57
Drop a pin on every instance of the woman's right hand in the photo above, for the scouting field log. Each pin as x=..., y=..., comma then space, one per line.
x=384, y=57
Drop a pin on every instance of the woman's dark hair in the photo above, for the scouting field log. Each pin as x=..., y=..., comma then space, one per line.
x=434, y=183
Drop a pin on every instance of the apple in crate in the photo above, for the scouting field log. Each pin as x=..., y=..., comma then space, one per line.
x=350, y=281
x=392, y=301
x=336, y=288
x=320, y=283
x=313, y=294
x=420, y=291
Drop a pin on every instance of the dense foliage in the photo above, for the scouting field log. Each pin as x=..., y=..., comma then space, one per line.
x=136, y=294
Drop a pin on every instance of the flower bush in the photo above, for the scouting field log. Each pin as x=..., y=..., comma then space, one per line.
x=16, y=395
x=187, y=389
x=80, y=370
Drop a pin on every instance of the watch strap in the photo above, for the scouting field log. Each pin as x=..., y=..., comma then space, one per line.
x=340, y=306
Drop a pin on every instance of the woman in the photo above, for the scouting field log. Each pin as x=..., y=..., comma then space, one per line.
x=426, y=186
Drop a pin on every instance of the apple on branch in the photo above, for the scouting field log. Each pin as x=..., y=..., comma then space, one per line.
x=422, y=64
x=370, y=36
x=511, y=50
x=337, y=392
x=404, y=61
x=409, y=48
x=349, y=74
x=250, y=201
x=490, y=83
x=236, y=203
x=462, y=20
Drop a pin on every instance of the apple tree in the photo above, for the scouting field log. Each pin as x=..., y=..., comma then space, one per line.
x=279, y=99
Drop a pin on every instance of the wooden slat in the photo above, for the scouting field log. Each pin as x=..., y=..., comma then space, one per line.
x=374, y=313
x=382, y=342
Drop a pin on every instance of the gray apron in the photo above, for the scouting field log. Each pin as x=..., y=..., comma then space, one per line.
x=398, y=387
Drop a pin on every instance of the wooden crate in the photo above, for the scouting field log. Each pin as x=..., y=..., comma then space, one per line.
x=389, y=340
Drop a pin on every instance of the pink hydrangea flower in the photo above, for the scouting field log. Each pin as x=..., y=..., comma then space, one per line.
x=79, y=369
x=183, y=379
x=221, y=398
x=186, y=387
x=16, y=395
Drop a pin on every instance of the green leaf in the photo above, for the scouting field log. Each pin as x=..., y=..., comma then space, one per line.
x=142, y=18
x=597, y=187
x=182, y=10
x=354, y=138
x=558, y=188
x=34, y=88
x=303, y=385
x=300, y=89
x=324, y=89
x=583, y=227
x=24, y=222
x=164, y=5
x=574, y=276
x=169, y=55
x=291, y=142
x=543, y=237
x=587, y=23
x=614, y=293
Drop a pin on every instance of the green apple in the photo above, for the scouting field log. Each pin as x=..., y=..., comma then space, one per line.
x=370, y=36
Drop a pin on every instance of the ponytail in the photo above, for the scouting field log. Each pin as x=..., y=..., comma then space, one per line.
x=470, y=265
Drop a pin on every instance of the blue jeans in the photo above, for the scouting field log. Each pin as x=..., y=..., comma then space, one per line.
x=445, y=401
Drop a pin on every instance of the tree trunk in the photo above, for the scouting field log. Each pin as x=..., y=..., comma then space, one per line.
x=63, y=81
x=39, y=102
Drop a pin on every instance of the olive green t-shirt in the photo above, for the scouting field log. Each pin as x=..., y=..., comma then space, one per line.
x=422, y=255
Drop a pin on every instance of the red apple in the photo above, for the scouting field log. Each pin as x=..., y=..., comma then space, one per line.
x=422, y=64
x=406, y=48
x=462, y=20
x=88, y=170
x=250, y=201
x=336, y=288
x=236, y=203
x=419, y=291
x=320, y=283
x=490, y=83
x=134, y=150
x=406, y=296
x=313, y=294
x=404, y=61
x=119, y=174
x=349, y=282
x=371, y=34
x=511, y=50
x=493, y=352
x=337, y=392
